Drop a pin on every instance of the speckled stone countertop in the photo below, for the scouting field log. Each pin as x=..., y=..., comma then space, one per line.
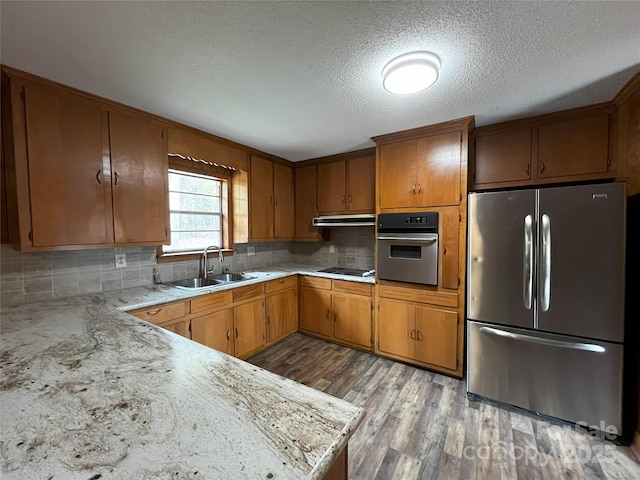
x=88, y=391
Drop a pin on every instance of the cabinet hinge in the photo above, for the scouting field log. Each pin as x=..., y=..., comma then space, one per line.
x=459, y=218
x=460, y=196
x=30, y=236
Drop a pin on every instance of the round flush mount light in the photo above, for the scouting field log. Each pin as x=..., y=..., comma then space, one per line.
x=411, y=73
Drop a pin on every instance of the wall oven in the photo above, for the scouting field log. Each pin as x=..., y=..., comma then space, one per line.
x=408, y=247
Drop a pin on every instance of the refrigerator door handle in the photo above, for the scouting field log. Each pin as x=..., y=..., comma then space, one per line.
x=588, y=347
x=546, y=262
x=527, y=280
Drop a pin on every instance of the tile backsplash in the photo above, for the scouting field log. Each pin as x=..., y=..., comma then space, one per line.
x=30, y=277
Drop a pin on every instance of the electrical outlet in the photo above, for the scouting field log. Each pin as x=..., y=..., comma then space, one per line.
x=332, y=249
x=251, y=251
x=121, y=260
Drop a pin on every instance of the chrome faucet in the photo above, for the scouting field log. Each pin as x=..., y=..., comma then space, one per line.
x=204, y=267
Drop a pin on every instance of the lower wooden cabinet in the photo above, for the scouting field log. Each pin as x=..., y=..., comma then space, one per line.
x=315, y=311
x=170, y=316
x=337, y=310
x=352, y=319
x=416, y=332
x=282, y=314
x=179, y=326
x=215, y=330
x=249, y=326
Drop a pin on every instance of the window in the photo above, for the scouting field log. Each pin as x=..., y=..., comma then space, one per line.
x=195, y=205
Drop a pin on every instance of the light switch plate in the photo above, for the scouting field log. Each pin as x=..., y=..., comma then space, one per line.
x=121, y=260
x=251, y=251
x=332, y=249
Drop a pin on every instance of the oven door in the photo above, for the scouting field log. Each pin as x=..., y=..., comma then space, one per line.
x=408, y=257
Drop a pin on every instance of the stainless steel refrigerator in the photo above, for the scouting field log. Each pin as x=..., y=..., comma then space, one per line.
x=545, y=300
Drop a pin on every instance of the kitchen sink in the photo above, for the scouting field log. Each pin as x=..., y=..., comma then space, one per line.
x=231, y=277
x=195, y=283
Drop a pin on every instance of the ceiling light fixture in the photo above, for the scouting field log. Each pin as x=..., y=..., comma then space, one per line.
x=411, y=73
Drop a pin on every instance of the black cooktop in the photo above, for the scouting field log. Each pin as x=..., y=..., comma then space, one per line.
x=347, y=271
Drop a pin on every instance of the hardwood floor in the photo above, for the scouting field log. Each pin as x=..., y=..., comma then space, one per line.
x=421, y=425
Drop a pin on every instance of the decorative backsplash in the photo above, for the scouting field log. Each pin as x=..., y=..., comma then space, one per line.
x=30, y=277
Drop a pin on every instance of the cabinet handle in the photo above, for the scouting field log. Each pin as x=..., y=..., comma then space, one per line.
x=268, y=320
x=412, y=334
x=154, y=312
x=418, y=335
x=342, y=200
x=542, y=167
x=528, y=167
x=99, y=177
x=276, y=200
x=271, y=199
x=116, y=176
x=419, y=189
x=350, y=198
x=414, y=188
x=335, y=317
x=236, y=333
x=280, y=281
x=328, y=315
x=228, y=335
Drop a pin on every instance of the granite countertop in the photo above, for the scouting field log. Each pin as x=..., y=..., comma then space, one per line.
x=88, y=391
x=142, y=297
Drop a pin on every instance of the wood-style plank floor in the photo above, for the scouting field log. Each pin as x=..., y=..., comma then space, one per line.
x=421, y=425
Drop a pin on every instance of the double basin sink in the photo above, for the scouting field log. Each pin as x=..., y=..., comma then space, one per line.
x=199, y=282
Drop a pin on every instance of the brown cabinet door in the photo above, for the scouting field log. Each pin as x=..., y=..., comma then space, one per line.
x=214, y=330
x=262, y=201
x=396, y=327
x=438, y=170
x=575, y=147
x=315, y=311
x=282, y=313
x=352, y=319
x=283, y=199
x=332, y=187
x=249, y=327
x=436, y=337
x=398, y=186
x=503, y=157
x=180, y=326
x=305, y=205
x=69, y=191
x=139, y=176
x=449, y=236
x=361, y=185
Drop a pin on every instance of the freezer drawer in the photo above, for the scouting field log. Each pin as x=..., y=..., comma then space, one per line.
x=563, y=377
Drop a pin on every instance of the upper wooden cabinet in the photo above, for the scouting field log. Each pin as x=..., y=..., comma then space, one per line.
x=424, y=167
x=139, y=179
x=83, y=173
x=68, y=189
x=560, y=147
x=347, y=186
x=272, y=207
x=305, y=203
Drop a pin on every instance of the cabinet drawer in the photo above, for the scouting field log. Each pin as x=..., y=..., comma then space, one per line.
x=280, y=284
x=250, y=291
x=209, y=302
x=352, y=287
x=162, y=313
x=444, y=299
x=315, y=282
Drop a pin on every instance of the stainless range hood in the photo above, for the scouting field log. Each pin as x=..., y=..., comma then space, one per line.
x=363, y=220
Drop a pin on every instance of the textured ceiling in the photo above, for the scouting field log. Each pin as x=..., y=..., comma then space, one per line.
x=302, y=79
